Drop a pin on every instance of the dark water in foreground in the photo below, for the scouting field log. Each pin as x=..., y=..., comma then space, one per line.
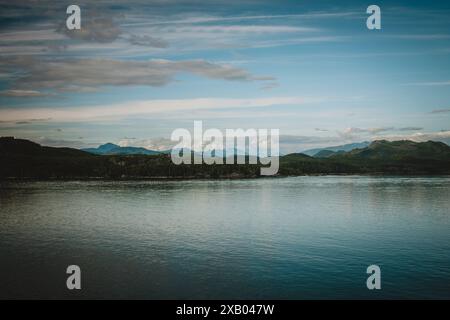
x=293, y=238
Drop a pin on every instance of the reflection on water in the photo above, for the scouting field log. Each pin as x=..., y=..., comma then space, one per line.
x=297, y=238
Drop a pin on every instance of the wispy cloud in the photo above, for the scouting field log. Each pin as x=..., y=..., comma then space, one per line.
x=23, y=93
x=209, y=19
x=430, y=84
x=352, y=132
x=74, y=75
x=30, y=35
x=410, y=129
x=149, y=107
x=95, y=28
x=148, y=41
x=420, y=36
x=233, y=29
x=440, y=111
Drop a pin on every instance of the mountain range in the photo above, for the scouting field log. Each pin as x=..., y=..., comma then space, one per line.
x=113, y=149
x=21, y=158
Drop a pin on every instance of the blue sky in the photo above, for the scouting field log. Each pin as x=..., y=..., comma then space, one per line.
x=140, y=69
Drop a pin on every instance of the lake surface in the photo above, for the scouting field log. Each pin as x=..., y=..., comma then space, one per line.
x=287, y=238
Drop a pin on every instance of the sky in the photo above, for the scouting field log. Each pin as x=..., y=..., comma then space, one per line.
x=137, y=70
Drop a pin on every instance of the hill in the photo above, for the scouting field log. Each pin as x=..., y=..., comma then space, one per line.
x=401, y=150
x=326, y=153
x=21, y=147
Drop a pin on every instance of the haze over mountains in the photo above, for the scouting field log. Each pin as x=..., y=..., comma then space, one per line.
x=331, y=150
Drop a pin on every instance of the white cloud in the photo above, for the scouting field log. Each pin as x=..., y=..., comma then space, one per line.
x=353, y=133
x=196, y=19
x=23, y=93
x=149, y=107
x=31, y=35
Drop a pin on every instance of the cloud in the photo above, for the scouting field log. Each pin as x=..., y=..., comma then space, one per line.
x=150, y=24
x=368, y=133
x=411, y=129
x=141, y=108
x=97, y=29
x=270, y=86
x=103, y=29
x=196, y=19
x=233, y=29
x=23, y=93
x=78, y=75
x=430, y=84
x=25, y=120
x=30, y=35
x=440, y=111
x=351, y=133
x=140, y=28
x=377, y=130
x=420, y=36
x=148, y=41
x=200, y=37
x=157, y=144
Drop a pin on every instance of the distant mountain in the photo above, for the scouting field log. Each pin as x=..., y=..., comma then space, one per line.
x=111, y=149
x=383, y=150
x=345, y=148
x=103, y=149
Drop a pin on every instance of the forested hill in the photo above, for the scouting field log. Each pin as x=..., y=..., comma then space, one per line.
x=25, y=159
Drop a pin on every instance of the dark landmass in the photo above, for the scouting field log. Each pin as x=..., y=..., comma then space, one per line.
x=23, y=159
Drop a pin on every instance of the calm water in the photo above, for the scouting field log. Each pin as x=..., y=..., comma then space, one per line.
x=297, y=238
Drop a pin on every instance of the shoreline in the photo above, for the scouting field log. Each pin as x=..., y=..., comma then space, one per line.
x=130, y=179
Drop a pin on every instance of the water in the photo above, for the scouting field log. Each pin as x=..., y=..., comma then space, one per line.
x=289, y=238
